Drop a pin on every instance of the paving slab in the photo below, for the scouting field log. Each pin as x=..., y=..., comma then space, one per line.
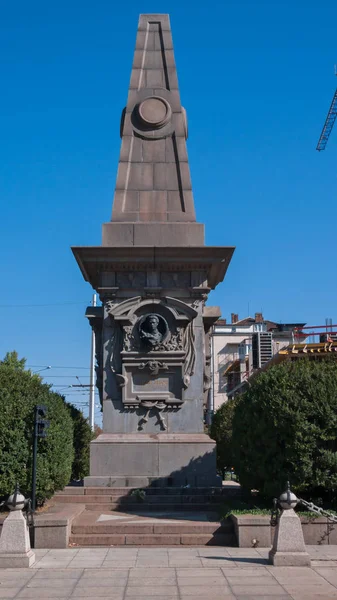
x=245, y=571
x=185, y=562
x=227, y=574
x=107, y=582
x=153, y=581
x=112, y=573
x=117, y=593
x=204, y=580
x=52, y=582
x=9, y=592
x=264, y=597
x=44, y=592
x=150, y=591
x=44, y=573
x=264, y=579
x=256, y=590
x=328, y=573
x=204, y=591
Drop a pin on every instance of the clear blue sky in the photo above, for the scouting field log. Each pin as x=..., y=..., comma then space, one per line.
x=256, y=78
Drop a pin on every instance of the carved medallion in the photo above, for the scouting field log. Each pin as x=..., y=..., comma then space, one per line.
x=153, y=330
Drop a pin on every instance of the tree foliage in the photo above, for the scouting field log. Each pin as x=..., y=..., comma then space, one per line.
x=12, y=360
x=285, y=427
x=20, y=391
x=221, y=432
x=82, y=438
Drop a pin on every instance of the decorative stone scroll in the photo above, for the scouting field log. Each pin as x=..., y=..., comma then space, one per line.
x=189, y=347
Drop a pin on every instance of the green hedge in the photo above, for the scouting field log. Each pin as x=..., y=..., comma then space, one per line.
x=82, y=438
x=221, y=432
x=285, y=427
x=20, y=391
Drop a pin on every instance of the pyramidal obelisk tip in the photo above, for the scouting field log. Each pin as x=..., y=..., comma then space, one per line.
x=153, y=180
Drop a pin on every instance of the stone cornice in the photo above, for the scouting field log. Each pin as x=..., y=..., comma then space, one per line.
x=94, y=260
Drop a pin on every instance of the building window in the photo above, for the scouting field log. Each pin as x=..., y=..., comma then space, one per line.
x=259, y=327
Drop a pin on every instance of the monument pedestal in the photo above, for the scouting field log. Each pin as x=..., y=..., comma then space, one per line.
x=158, y=460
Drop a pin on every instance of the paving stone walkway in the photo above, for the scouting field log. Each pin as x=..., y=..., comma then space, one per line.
x=171, y=574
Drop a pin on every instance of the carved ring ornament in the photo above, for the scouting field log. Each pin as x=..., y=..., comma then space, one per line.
x=154, y=112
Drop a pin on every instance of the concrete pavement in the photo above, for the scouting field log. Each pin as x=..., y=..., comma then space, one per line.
x=171, y=574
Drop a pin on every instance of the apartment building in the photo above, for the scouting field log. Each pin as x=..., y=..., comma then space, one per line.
x=240, y=347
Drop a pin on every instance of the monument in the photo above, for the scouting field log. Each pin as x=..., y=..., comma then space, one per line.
x=153, y=274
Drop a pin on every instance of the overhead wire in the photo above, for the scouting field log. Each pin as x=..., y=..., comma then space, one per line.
x=39, y=305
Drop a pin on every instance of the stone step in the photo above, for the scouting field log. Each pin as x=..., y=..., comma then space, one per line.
x=165, y=528
x=126, y=491
x=133, y=500
x=144, y=506
x=110, y=528
x=140, y=539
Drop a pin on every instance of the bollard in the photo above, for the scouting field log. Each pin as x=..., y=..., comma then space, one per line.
x=288, y=549
x=15, y=550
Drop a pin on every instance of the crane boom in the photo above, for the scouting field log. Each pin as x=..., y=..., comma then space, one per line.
x=328, y=125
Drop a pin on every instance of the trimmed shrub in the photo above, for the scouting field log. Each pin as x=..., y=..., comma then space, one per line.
x=221, y=432
x=285, y=427
x=20, y=391
x=82, y=438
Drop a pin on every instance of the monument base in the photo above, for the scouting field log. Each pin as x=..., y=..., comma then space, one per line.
x=17, y=561
x=289, y=559
x=156, y=460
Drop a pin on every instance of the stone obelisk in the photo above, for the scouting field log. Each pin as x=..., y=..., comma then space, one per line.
x=153, y=274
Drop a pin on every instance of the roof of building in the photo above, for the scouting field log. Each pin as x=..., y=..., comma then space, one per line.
x=271, y=325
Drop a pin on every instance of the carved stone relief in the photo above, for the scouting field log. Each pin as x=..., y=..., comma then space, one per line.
x=189, y=347
x=152, y=330
x=99, y=362
x=175, y=341
x=158, y=408
x=128, y=338
x=207, y=373
x=114, y=349
x=110, y=304
x=153, y=365
x=151, y=355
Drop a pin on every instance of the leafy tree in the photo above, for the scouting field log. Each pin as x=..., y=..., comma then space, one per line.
x=285, y=427
x=221, y=432
x=82, y=438
x=20, y=391
x=12, y=360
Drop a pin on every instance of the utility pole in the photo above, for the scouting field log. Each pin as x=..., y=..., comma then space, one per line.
x=92, y=376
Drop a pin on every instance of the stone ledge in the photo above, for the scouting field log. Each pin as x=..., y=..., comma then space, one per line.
x=153, y=438
x=248, y=527
x=252, y=527
x=52, y=530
